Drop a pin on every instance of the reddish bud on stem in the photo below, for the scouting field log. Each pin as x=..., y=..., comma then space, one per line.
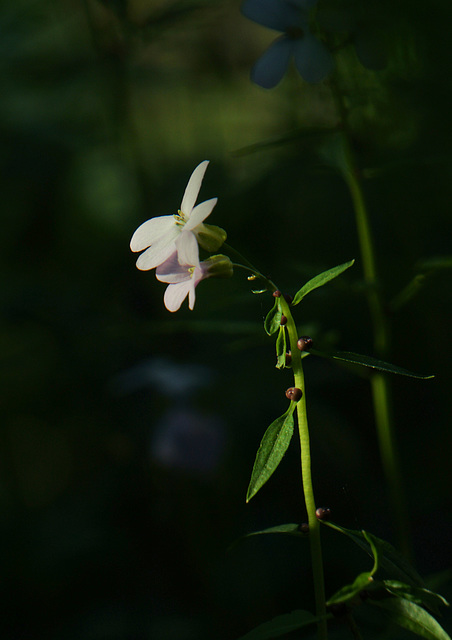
x=294, y=393
x=323, y=513
x=304, y=343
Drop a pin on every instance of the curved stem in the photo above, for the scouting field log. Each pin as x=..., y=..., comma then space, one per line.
x=314, y=525
x=271, y=286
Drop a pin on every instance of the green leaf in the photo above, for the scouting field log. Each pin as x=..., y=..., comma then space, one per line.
x=368, y=361
x=424, y=269
x=412, y=617
x=419, y=595
x=271, y=451
x=273, y=320
x=281, y=625
x=393, y=563
x=282, y=139
x=361, y=582
x=320, y=280
x=351, y=590
x=281, y=348
x=434, y=263
x=286, y=529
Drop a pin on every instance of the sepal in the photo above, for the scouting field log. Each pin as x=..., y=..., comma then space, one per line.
x=219, y=266
x=210, y=237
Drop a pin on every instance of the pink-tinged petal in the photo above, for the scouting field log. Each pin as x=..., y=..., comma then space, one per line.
x=272, y=65
x=151, y=231
x=172, y=271
x=200, y=213
x=187, y=249
x=191, y=297
x=155, y=255
x=175, y=294
x=193, y=187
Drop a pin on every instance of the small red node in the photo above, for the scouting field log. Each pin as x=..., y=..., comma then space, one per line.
x=283, y=321
x=294, y=393
x=304, y=343
x=276, y=294
x=323, y=513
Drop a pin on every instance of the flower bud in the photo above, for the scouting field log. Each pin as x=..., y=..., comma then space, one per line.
x=218, y=266
x=323, y=513
x=288, y=359
x=211, y=237
x=304, y=527
x=283, y=320
x=276, y=294
x=294, y=393
x=304, y=343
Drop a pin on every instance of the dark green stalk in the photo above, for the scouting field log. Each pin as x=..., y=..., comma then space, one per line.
x=379, y=383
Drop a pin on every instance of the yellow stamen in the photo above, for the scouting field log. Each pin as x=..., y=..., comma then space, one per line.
x=180, y=218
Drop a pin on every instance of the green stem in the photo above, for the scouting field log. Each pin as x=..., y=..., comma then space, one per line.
x=379, y=383
x=314, y=525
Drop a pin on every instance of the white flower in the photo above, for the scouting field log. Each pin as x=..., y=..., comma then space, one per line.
x=163, y=235
x=182, y=279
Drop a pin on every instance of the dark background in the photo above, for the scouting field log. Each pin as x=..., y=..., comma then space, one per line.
x=128, y=433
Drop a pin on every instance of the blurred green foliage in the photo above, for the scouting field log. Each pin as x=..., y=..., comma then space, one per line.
x=108, y=529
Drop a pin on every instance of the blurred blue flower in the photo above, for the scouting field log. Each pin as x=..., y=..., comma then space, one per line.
x=365, y=26
x=312, y=59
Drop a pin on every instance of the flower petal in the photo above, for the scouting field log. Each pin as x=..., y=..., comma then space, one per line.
x=151, y=231
x=273, y=14
x=187, y=249
x=192, y=297
x=312, y=59
x=272, y=65
x=172, y=271
x=192, y=188
x=157, y=253
x=175, y=294
x=200, y=213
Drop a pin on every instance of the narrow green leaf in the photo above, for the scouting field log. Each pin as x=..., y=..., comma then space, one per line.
x=320, y=280
x=361, y=582
x=281, y=348
x=393, y=563
x=271, y=451
x=419, y=595
x=273, y=319
x=368, y=361
x=287, y=529
x=412, y=617
x=351, y=590
x=434, y=263
x=281, y=625
x=282, y=139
